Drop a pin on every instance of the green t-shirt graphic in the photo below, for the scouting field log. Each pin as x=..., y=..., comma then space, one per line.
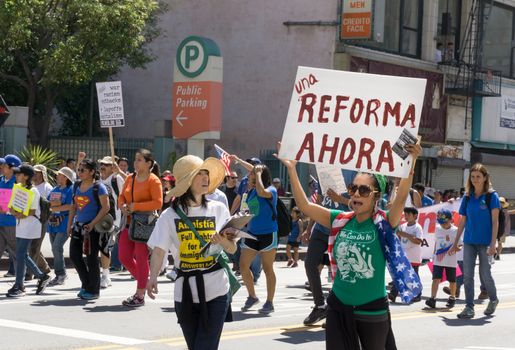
x=360, y=262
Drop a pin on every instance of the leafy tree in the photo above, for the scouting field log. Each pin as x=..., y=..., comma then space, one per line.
x=51, y=46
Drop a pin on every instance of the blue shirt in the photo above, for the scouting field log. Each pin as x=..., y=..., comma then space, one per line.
x=242, y=188
x=65, y=196
x=294, y=234
x=478, y=227
x=262, y=222
x=7, y=220
x=329, y=204
x=87, y=207
x=426, y=201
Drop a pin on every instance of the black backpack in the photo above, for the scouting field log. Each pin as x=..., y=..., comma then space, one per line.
x=96, y=186
x=44, y=206
x=282, y=216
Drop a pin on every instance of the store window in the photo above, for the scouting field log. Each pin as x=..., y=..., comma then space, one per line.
x=498, y=40
x=402, y=29
x=449, y=23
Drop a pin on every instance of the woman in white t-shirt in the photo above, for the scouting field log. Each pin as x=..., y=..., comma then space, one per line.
x=202, y=304
x=28, y=228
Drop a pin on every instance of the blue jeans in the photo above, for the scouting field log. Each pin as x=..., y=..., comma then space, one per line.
x=115, y=262
x=197, y=336
x=11, y=269
x=57, y=240
x=23, y=261
x=471, y=251
x=459, y=279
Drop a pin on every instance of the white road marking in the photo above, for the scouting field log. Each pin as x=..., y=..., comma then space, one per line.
x=73, y=333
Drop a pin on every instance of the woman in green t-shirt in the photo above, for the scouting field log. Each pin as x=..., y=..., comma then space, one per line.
x=357, y=308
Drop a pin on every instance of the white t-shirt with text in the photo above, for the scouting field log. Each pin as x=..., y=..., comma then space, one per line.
x=413, y=251
x=444, y=238
x=30, y=227
x=172, y=234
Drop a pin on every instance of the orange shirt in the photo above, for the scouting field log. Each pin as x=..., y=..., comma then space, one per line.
x=147, y=196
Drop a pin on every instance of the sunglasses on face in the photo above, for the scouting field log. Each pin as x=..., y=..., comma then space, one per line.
x=363, y=190
x=82, y=170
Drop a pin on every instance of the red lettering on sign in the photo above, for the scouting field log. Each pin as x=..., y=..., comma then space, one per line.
x=307, y=144
x=366, y=146
x=339, y=106
x=358, y=103
x=307, y=106
x=325, y=147
x=305, y=83
x=422, y=217
x=394, y=112
x=372, y=106
x=324, y=108
x=385, y=156
x=409, y=116
x=350, y=146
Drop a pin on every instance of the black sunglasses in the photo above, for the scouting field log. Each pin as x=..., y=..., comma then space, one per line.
x=82, y=170
x=363, y=190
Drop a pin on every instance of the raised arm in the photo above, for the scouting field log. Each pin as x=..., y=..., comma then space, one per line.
x=314, y=211
x=395, y=214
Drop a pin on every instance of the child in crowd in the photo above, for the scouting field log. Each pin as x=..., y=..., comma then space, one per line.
x=411, y=234
x=445, y=235
x=294, y=238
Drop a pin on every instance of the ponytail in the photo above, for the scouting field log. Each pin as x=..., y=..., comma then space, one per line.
x=154, y=169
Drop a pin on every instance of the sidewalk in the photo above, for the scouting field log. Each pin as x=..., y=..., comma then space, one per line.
x=509, y=247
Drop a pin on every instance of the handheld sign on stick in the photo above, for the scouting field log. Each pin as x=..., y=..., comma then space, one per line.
x=352, y=120
x=110, y=108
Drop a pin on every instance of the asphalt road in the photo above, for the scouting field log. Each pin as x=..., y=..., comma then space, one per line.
x=58, y=320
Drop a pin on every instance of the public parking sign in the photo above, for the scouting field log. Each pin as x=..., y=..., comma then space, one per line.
x=197, y=90
x=110, y=104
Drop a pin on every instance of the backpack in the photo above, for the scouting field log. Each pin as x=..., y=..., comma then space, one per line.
x=96, y=186
x=114, y=184
x=282, y=216
x=44, y=206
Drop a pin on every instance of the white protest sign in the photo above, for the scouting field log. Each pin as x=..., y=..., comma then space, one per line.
x=353, y=120
x=110, y=104
x=330, y=177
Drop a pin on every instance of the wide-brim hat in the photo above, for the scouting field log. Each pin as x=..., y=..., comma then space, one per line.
x=106, y=160
x=68, y=173
x=504, y=203
x=187, y=167
x=42, y=169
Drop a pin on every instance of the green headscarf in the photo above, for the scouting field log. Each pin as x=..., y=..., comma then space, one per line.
x=382, y=181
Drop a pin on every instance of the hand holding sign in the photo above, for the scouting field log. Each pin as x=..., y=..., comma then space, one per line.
x=288, y=163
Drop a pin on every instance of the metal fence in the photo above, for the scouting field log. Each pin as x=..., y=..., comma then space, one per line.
x=98, y=147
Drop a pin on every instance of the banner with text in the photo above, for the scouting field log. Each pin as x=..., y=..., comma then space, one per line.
x=110, y=104
x=356, y=121
x=21, y=199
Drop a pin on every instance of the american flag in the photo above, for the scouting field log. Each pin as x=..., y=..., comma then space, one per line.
x=314, y=188
x=224, y=157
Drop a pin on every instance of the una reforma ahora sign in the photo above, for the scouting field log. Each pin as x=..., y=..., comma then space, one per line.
x=356, y=121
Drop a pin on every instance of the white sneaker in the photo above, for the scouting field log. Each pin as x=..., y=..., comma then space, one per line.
x=105, y=281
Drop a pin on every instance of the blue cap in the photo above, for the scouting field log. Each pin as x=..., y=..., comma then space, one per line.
x=443, y=216
x=12, y=160
x=254, y=161
x=2, y=161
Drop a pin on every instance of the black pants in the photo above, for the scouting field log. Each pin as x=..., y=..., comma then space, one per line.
x=314, y=257
x=372, y=331
x=89, y=271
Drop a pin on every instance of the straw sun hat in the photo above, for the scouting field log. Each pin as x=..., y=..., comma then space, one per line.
x=185, y=169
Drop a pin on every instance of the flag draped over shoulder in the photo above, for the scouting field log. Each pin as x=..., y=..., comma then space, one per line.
x=404, y=277
x=224, y=157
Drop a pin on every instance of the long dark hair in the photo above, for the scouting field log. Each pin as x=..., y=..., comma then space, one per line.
x=266, y=176
x=184, y=200
x=149, y=157
x=90, y=164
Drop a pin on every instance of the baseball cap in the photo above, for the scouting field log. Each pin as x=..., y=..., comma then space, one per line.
x=443, y=216
x=276, y=180
x=253, y=161
x=12, y=161
x=106, y=160
x=25, y=169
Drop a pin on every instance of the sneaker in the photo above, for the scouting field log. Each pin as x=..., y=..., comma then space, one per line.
x=81, y=291
x=89, y=296
x=467, y=312
x=8, y=274
x=290, y=262
x=295, y=264
x=431, y=302
x=42, y=284
x=451, y=302
x=447, y=291
x=391, y=297
x=16, y=292
x=490, y=309
x=416, y=299
x=316, y=315
x=58, y=280
x=105, y=281
x=268, y=308
x=483, y=295
x=250, y=302
x=134, y=301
